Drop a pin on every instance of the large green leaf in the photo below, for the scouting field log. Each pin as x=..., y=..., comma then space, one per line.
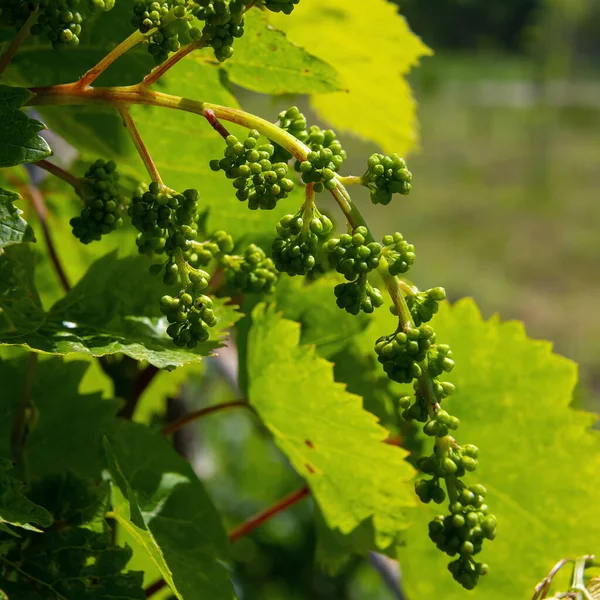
x=13, y=228
x=15, y=508
x=313, y=306
x=266, y=61
x=160, y=501
x=373, y=49
x=75, y=558
x=20, y=306
x=539, y=458
x=66, y=433
x=20, y=141
x=113, y=309
x=327, y=436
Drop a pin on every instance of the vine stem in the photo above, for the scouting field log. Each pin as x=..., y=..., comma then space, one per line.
x=37, y=201
x=351, y=180
x=7, y=57
x=140, y=146
x=60, y=173
x=216, y=124
x=199, y=414
x=161, y=69
x=90, y=76
x=254, y=522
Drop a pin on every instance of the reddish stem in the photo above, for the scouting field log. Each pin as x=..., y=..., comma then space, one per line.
x=216, y=124
x=198, y=414
x=37, y=200
x=254, y=522
x=60, y=173
x=161, y=69
x=155, y=587
x=138, y=142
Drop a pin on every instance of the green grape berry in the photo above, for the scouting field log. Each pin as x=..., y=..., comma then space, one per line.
x=60, y=21
x=252, y=272
x=189, y=315
x=294, y=122
x=400, y=353
x=294, y=251
x=386, y=176
x=399, y=253
x=223, y=24
x=324, y=160
x=352, y=255
x=440, y=360
x=167, y=221
x=358, y=296
x=103, y=211
x=424, y=305
x=217, y=245
x=258, y=180
x=168, y=24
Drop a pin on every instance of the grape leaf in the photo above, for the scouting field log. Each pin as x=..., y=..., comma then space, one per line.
x=539, y=458
x=20, y=306
x=313, y=306
x=378, y=108
x=19, y=139
x=75, y=558
x=157, y=497
x=15, y=508
x=266, y=61
x=98, y=317
x=13, y=228
x=65, y=434
x=323, y=430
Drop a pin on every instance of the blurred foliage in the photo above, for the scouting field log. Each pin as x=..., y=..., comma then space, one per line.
x=470, y=24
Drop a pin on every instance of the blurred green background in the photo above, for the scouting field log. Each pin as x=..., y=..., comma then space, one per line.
x=505, y=208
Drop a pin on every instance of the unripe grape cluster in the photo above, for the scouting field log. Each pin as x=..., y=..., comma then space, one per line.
x=352, y=255
x=216, y=246
x=189, y=315
x=165, y=219
x=424, y=305
x=59, y=20
x=400, y=353
x=386, y=176
x=295, y=250
x=223, y=23
x=461, y=533
x=253, y=272
x=103, y=209
x=324, y=160
x=294, y=122
x=358, y=296
x=399, y=253
x=172, y=21
x=258, y=180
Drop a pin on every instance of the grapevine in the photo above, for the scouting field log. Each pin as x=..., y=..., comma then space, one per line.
x=196, y=265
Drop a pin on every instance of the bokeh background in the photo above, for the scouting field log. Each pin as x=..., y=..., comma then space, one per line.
x=505, y=208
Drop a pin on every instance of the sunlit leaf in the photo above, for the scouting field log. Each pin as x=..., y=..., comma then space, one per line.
x=373, y=50
x=327, y=436
x=539, y=459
